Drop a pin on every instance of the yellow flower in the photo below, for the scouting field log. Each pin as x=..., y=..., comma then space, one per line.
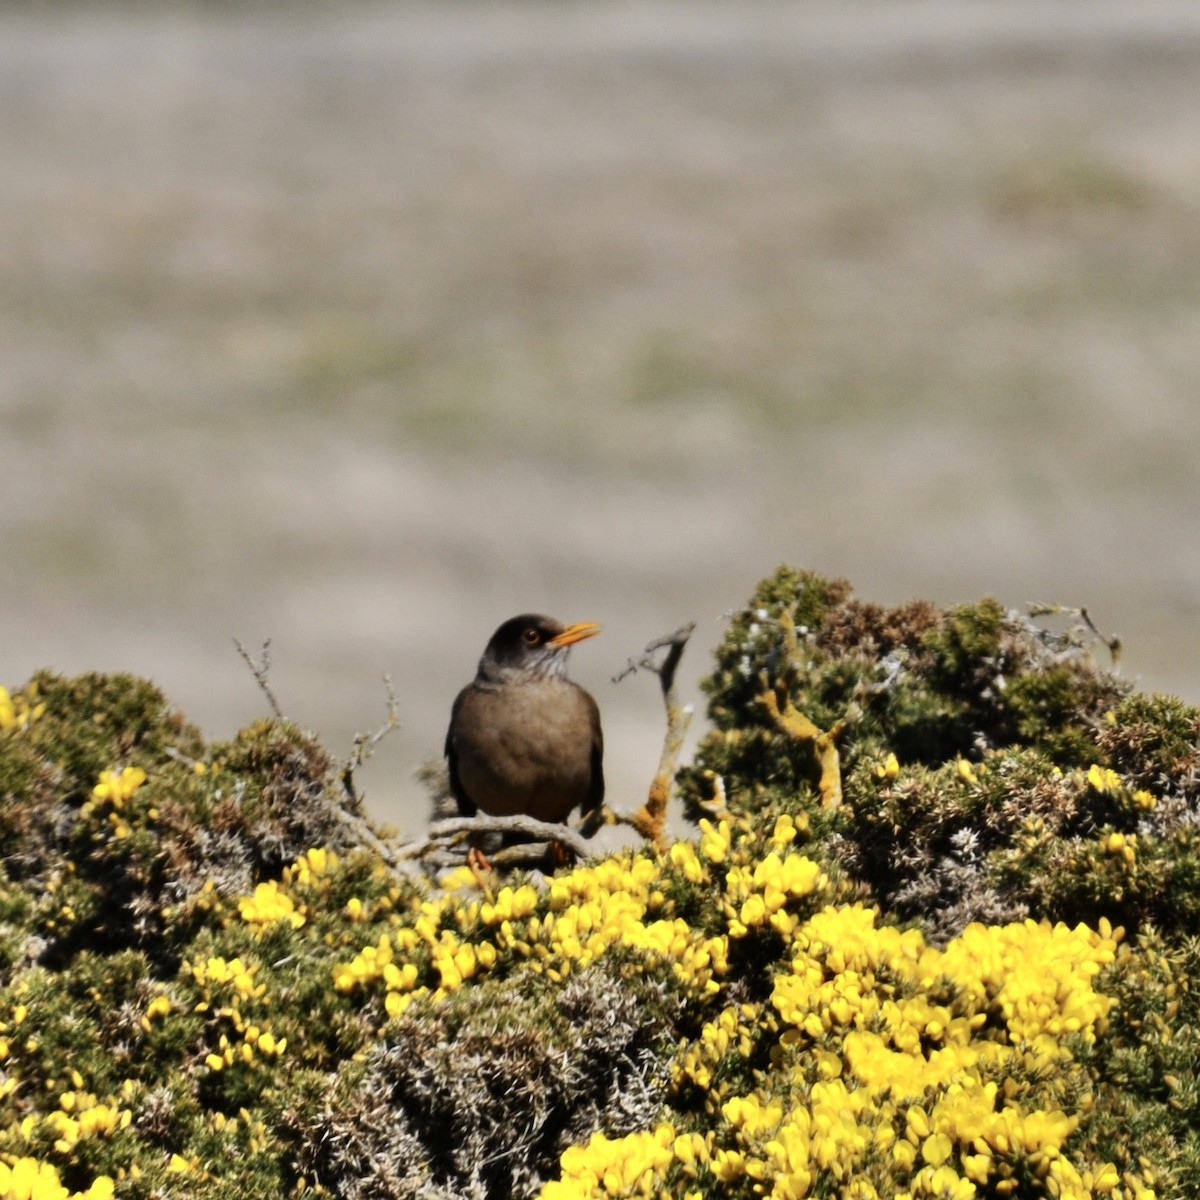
x=918, y=1123
x=453, y=961
x=977, y=1167
x=311, y=867
x=633, y=1164
x=16, y=712
x=888, y=769
x=936, y=1149
x=115, y=788
x=118, y=786
x=728, y=1165
x=754, y=911
x=231, y=971
x=268, y=906
x=369, y=964
x=460, y=879
x=1121, y=845
x=400, y=978
x=512, y=904
x=683, y=857
x=715, y=840
x=784, y=832
x=1104, y=780
x=27, y=1177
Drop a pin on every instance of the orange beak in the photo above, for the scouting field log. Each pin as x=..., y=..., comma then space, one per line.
x=574, y=633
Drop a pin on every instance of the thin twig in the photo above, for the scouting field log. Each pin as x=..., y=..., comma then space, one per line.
x=261, y=671
x=1113, y=643
x=354, y=821
x=361, y=828
x=365, y=743
x=185, y=760
x=666, y=669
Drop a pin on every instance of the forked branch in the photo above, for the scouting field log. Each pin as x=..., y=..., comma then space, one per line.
x=650, y=819
x=797, y=725
x=261, y=671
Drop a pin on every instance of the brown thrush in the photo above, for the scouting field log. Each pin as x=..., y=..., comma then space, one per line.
x=523, y=738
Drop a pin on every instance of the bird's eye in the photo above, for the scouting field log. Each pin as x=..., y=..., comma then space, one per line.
x=531, y=637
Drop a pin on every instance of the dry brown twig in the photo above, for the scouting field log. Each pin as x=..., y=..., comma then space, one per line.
x=365, y=743
x=651, y=817
x=261, y=671
x=1112, y=643
x=352, y=817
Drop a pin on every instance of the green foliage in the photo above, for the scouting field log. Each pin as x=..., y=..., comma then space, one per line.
x=994, y=724
x=1154, y=742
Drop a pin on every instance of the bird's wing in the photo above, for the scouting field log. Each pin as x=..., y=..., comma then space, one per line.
x=595, y=796
x=466, y=805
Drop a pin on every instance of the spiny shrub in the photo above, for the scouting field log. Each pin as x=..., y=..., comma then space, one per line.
x=888, y=962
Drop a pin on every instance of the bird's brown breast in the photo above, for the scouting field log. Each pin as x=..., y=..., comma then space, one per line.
x=526, y=747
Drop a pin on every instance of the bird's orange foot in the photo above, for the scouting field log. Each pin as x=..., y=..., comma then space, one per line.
x=477, y=861
x=558, y=854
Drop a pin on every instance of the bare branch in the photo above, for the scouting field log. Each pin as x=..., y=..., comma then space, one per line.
x=823, y=743
x=666, y=669
x=1112, y=643
x=261, y=671
x=365, y=743
x=361, y=828
x=651, y=817
x=776, y=699
x=185, y=760
x=446, y=833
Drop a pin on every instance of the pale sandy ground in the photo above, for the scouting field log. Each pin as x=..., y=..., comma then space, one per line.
x=363, y=328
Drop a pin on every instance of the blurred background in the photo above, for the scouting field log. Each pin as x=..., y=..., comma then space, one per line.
x=362, y=327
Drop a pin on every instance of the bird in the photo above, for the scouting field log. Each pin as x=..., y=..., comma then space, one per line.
x=523, y=738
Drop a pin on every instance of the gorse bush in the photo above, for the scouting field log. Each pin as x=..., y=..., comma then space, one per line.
x=933, y=936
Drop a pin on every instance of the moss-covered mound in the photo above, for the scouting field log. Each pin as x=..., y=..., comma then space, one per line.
x=888, y=963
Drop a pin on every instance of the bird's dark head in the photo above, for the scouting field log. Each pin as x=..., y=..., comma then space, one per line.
x=531, y=645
